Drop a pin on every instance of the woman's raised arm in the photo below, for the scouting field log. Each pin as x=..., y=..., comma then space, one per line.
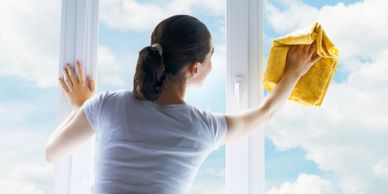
x=300, y=59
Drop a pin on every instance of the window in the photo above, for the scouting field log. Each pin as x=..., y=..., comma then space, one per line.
x=337, y=148
x=244, y=158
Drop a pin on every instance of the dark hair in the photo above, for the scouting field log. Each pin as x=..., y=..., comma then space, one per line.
x=184, y=40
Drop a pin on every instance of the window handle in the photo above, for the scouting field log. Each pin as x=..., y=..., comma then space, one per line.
x=237, y=91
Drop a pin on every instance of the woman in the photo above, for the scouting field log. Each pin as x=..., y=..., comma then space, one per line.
x=149, y=140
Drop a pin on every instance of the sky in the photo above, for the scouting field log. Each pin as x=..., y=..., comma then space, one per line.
x=339, y=148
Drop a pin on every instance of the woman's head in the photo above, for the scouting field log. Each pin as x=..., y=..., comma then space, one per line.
x=186, y=56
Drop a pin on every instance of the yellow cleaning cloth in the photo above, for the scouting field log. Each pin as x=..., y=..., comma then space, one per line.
x=311, y=88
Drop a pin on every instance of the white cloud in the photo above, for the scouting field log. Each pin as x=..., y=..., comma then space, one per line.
x=381, y=168
x=356, y=29
x=29, y=40
x=22, y=165
x=348, y=134
x=218, y=190
x=292, y=18
x=305, y=183
x=219, y=58
x=221, y=173
x=32, y=179
x=109, y=70
x=212, y=172
x=14, y=187
x=14, y=153
x=133, y=15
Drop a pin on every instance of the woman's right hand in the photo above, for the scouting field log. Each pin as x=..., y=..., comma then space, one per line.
x=300, y=58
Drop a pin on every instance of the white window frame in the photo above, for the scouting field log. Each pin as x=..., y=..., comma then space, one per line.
x=244, y=42
x=244, y=49
x=79, y=40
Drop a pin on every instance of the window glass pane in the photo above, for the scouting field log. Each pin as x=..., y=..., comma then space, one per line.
x=339, y=147
x=29, y=55
x=126, y=27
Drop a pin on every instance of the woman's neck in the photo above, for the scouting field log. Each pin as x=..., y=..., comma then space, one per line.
x=172, y=93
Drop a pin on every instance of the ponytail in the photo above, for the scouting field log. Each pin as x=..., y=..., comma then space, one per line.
x=150, y=73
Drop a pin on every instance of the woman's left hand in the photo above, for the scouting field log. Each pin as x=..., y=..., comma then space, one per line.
x=76, y=87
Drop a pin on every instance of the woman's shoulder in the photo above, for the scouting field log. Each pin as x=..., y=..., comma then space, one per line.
x=115, y=93
x=107, y=96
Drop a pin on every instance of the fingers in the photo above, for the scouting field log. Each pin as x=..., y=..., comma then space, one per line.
x=301, y=47
x=67, y=78
x=63, y=85
x=292, y=48
x=315, y=58
x=70, y=73
x=80, y=71
x=70, y=79
x=92, y=84
x=306, y=48
x=312, y=48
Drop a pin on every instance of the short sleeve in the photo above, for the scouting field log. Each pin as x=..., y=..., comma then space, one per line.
x=218, y=128
x=92, y=109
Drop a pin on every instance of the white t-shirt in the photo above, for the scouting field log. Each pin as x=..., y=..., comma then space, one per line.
x=146, y=148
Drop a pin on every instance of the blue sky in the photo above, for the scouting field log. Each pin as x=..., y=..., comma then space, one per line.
x=306, y=149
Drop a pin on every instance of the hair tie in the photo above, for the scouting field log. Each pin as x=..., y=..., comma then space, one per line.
x=158, y=47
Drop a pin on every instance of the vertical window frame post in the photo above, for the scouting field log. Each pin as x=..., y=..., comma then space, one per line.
x=79, y=41
x=245, y=170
